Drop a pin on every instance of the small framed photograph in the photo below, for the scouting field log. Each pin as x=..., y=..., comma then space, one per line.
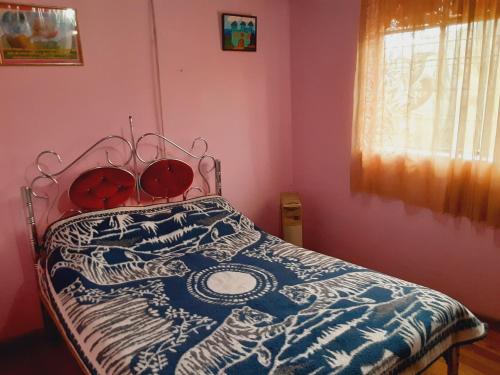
x=239, y=32
x=38, y=35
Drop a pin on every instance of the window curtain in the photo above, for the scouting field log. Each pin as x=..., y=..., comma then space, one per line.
x=426, y=113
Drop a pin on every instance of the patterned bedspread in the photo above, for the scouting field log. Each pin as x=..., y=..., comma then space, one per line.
x=196, y=288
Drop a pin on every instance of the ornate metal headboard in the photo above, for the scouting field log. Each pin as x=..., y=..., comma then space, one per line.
x=135, y=162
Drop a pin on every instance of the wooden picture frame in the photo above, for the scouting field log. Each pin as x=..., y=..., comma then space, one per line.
x=39, y=35
x=239, y=32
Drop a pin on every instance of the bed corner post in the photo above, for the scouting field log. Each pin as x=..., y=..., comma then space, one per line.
x=134, y=158
x=27, y=196
x=218, y=177
x=452, y=358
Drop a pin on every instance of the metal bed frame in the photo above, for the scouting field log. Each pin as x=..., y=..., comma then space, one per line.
x=133, y=157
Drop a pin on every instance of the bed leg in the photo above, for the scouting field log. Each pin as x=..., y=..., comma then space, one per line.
x=452, y=360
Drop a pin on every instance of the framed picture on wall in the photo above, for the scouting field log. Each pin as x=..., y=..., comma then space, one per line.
x=239, y=32
x=39, y=35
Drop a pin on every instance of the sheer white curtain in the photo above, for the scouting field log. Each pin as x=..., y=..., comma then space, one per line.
x=427, y=105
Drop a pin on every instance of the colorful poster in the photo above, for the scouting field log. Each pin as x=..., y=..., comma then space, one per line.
x=239, y=33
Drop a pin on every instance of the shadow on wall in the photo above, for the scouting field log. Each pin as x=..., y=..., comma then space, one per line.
x=24, y=314
x=444, y=219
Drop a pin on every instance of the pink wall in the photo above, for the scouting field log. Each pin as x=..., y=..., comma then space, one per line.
x=447, y=254
x=239, y=101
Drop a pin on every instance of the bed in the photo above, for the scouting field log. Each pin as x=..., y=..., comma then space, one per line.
x=194, y=287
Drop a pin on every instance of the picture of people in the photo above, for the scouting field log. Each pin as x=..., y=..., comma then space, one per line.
x=32, y=35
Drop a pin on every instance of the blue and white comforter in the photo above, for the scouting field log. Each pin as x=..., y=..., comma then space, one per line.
x=196, y=288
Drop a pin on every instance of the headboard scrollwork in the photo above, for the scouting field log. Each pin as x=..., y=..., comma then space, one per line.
x=134, y=162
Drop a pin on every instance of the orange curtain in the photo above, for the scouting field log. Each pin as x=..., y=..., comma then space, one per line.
x=427, y=105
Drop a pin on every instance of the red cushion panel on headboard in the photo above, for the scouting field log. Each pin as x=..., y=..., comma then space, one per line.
x=101, y=188
x=167, y=178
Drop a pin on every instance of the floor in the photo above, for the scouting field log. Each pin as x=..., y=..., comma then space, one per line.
x=480, y=358
x=38, y=354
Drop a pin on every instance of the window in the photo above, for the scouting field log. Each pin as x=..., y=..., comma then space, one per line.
x=427, y=105
x=424, y=74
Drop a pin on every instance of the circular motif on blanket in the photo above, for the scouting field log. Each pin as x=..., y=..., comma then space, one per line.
x=231, y=284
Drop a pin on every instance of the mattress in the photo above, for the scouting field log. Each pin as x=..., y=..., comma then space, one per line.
x=196, y=288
